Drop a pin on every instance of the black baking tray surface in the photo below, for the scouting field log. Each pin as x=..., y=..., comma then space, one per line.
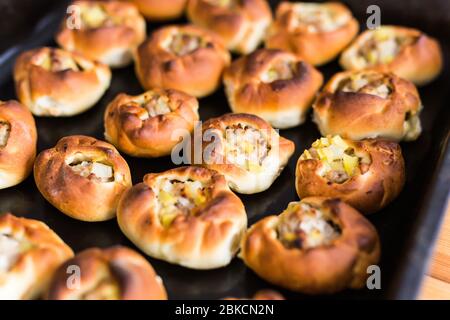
x=407, y=227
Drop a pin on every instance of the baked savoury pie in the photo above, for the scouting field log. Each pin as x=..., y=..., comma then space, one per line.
x=274, y=85
x=315, y=246
x=369, y=104
x=317, y=32
x=18, y=138
x=82, y=177
x=115, y=273
x=366, y=174
x=407, y=52
x=30, y=252
x=107, y=31
x=186, y=216
x=57, y=83
x=146, y=125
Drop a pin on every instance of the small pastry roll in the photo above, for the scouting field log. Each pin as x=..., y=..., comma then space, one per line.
x=18, y=139
x=274, y=85
x=369, y=104
x=186, y=58
x=245, y=149
x=115, y=273
x=262, y=295
x=318, y=245
x=57, y=83
x=30, y=252
x=157, y=10
x=82, y=177
x=407, y=52
x=146, y=125
x=242, y=25
x=107, y=31
x=316, y=32
x=186, y=216
x=366, y=174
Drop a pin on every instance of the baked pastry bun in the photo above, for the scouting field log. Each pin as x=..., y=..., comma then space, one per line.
x=18, y=137
x=317, y=32
x=146, y=125
x=366, y=174
x=30, y=252
x=115, y=273
x=107, y=31
x=186, y=216
x=157, y=10
x=318, y=245
x=57, y=83
x=186, y=58
x=242, y=25
x=369, y=104
x=407, y=52
x=245, y=149
x=82, y=177
x=274, y=85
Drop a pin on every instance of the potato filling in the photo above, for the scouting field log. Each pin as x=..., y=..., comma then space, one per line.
x=367, y=82
x=88, y=168
x=95, y=16
x=5, y=130
x=155, y=105
x=411, y=126
x=383, y=46
x=10, y=250
x=54, y=61
x=182, y=43
x=316, y=18
x=304, y=226
x=105, y=289
x=340, y=161
x=177, y=197
x=246, y=147
x=280, y=70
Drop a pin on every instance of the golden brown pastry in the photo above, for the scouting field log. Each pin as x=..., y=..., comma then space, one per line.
x=107, y=31
x=369, y=104
x=186, y=216
x=316, y=32
x=366, y=174
x=262, y=295
x=146, y=125
x=18, y=138
x=115, y=273
x=157, y=10
x=30, y=252
x=186, y=58
x=318, y=245
x=242, y=25
x=274, y=85
x=407, y=52
x=82, y=177
x=58, y=83
x=245, y=149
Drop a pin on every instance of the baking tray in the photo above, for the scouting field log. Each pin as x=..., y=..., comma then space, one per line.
x=407, y=227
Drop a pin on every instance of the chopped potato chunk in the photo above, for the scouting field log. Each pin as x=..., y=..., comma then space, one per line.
x=5, y=130
x=367, y=82
x=10, y=250
x=280, y=70
x=317, y=18
x=182, y=43
x=86, y=168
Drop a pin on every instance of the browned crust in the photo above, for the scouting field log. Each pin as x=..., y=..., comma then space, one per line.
x=326, y=269
x=79, y=197
x=420, y=63
x=198, y=73
x=158, y=10
x=97, y=43
x=72, y=87
x=17, y=156
x=315, y=48
x=135, y=276
x=361, y=115
x=152, y=137
x=285, y=147
x=228, y=23
x=251, y=95
x=199, y=235
x=369, y=192
x=46, y=254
